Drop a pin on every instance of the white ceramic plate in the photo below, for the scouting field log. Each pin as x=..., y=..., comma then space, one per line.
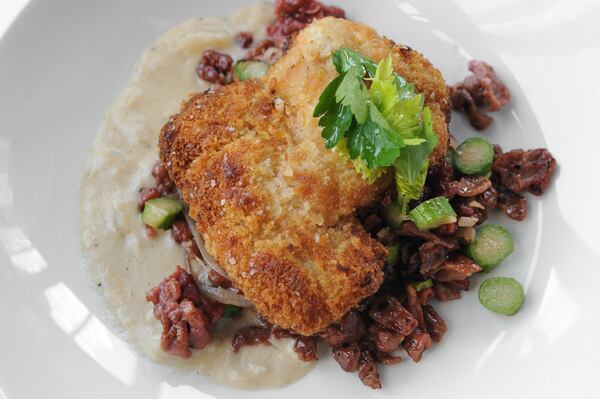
x=62, y=63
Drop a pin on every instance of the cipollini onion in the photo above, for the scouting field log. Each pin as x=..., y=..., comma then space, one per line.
x=205, y=264
x=208, y=258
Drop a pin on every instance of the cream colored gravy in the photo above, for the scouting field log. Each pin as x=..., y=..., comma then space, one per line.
x=123, y=263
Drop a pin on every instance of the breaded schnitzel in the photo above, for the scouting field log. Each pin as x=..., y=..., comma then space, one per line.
x=274, y=206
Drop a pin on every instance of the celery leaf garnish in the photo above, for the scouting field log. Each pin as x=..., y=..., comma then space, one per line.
x=372, y=116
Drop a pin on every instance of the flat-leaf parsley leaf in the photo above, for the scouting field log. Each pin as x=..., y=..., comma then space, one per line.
x=385, y=125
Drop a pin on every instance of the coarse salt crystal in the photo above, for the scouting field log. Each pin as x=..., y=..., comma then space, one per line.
x=232, y=261
x=279, y=104
x=223, y=202
x=213, y=182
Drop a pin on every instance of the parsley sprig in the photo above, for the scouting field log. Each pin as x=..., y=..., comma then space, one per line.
x=377, y=127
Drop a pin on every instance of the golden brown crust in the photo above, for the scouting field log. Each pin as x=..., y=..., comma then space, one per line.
x=272, y=203
x=306, y=69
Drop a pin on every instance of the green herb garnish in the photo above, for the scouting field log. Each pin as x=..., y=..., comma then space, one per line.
x=231, y=311
x=421, y=285
x=393, y=254
x=385, y=125
x=432, y=213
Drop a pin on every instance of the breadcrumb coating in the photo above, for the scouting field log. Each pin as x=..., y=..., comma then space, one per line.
x=274, y=206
